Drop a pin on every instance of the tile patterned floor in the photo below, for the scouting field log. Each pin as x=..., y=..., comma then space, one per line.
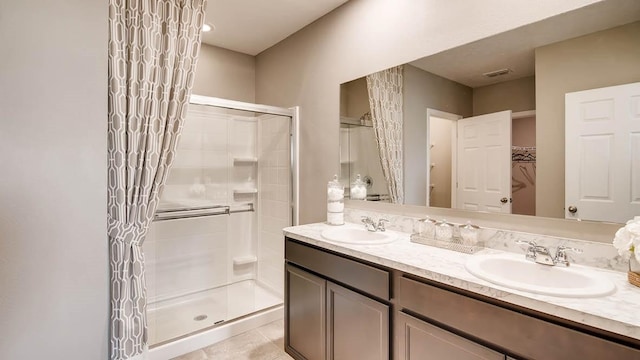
x=263, y=343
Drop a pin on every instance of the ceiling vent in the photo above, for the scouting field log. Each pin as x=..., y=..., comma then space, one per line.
x=492, y=74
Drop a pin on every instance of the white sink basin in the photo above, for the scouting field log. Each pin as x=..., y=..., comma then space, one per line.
x=357, y=234
x=514, y=271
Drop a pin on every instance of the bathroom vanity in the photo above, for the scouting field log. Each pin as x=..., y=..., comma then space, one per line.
x=410, y=301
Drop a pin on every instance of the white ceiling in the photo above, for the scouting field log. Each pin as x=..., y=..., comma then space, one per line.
x=252, y=26
x=515, y=49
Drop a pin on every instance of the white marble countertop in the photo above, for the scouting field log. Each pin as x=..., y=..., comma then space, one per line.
x=618, y=313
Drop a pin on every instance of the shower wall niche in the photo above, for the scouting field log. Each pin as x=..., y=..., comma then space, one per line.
x=214, y=252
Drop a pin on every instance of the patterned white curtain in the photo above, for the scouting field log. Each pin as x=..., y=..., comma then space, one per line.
x=385, y=100
x=153, y=48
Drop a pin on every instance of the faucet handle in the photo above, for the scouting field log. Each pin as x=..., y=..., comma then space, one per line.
x=563, y=249
x=369, y=224
x=528, y=243
x=561, y=254
x=531, y=249
x=381, y=223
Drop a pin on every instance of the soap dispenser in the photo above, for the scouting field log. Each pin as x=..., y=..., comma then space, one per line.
x=335, y=202
x=358, y=189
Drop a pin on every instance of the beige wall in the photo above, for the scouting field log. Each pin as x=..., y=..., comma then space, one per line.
x=361, y=37
x=607, y=58
x=354, y=98
x=225, y=74
x=54, y=289
x=515, y=95
x=424, y=90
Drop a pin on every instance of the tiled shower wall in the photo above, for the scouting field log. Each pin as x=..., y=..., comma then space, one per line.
x=274, y=164
x=190, y=255
x=357, y=145
x=185, y=256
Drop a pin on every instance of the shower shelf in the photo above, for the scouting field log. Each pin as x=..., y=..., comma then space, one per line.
x=245, y=191
x=244, y=260
x=245, y=160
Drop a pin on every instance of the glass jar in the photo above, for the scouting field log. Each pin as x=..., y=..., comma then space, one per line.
x=426, y=228
x=358, y=189
x=469, y=233
x=444, y=231
x=335, y=202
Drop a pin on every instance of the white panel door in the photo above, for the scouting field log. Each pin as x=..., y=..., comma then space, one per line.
x=484, y=163
x=602, y=153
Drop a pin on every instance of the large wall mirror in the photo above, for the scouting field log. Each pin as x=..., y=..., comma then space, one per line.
x=543, y=120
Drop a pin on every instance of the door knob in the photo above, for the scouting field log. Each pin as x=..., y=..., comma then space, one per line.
x=504, y=200
x=572, y=209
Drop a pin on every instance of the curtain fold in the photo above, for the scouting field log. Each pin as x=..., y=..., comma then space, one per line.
x=153, y=49
x=385, y=100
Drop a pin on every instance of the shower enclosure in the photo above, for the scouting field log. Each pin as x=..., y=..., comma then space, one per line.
x=214, y=253
x=359, y=156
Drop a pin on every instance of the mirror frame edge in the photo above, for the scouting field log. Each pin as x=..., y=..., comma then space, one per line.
x=602, y=232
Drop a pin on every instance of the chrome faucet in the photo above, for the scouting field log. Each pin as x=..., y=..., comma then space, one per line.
x=531, y=249
x=381, y=223
x=561, y=255
x=542, y=255
x=370, y=225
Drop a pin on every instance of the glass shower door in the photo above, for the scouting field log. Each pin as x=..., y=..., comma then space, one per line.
x=186, y=250
x=214, y=251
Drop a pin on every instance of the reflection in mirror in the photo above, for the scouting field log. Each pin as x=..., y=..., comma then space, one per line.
x=483, y=125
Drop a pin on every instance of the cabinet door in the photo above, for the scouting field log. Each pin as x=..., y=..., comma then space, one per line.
x=305, y=314
x=420, y=340
x=357, y=326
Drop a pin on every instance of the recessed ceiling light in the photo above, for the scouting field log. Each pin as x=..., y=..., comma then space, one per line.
x=207, y=27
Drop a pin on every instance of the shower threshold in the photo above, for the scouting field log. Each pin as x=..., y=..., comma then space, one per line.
x=170, y=320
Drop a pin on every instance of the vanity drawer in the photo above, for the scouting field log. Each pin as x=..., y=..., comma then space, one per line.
x=366, y=278
x=524, y=335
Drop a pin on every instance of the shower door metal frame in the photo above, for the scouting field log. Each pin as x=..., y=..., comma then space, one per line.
x=293, y=113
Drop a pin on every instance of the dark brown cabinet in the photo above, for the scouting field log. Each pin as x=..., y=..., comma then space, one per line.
x=306, y=313
x=420, y=340
x=520, y=332
x=341, y=308
x=325, y=320
x=357, y=326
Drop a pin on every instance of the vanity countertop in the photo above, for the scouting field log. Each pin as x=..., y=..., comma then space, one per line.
x=618, y=313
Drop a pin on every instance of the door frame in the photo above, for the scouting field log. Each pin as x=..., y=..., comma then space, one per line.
x=454, y=159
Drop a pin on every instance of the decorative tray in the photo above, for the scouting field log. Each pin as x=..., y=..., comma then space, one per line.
x=455, y=244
